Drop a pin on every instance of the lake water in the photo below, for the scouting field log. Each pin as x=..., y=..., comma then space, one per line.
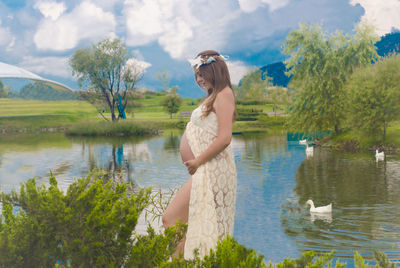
x=275, y=179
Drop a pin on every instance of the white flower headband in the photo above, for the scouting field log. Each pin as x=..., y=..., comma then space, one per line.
x=199, y=60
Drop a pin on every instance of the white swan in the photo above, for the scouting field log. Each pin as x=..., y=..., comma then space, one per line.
x=309, y=150
x=304, y=142
x=324, y=209
x=379, y=155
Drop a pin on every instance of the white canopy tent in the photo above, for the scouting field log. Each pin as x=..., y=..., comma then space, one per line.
x=11, y=71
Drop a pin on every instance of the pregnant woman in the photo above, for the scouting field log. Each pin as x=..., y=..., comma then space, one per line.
x=207, y=200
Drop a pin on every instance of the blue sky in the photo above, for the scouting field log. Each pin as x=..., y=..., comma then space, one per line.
x=41, y=35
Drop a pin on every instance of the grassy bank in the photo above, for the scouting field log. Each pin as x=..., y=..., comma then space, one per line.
x=17, y=115
x=81, y=118
x=38, y=123
x=149, y=106
x=122, y=128
x=356, y=140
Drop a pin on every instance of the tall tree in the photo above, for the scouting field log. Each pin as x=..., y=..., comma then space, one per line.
x=373, y=94
x=107, y=67
x=165, y=80
x=172, y=102
x=278, y=96
x=320, y=64
x=253, y=87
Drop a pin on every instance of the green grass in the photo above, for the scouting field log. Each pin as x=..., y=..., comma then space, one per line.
x=34, y=115
x=151, y=107
x=392, y=134
x=36, y=123
x=365, y=141
x=35, y=107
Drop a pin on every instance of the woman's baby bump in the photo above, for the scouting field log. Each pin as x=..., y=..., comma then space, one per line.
x=186, y=152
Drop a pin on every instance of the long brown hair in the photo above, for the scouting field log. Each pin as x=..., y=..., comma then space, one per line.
x=217, y=74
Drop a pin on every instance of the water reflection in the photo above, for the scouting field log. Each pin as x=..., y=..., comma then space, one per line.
x=172, y=142
x=266, y=166
x=365, y=197
x=275, y=179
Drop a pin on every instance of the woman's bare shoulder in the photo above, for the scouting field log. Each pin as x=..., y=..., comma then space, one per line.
x=226, y=94
x=225, y=98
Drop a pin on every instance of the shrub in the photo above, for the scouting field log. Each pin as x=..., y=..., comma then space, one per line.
x=272, y=120
x=228, y=253
x=120, y=128
x=90, y=225
x=154, y=249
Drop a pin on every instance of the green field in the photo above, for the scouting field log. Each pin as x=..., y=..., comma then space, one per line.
x=150, y=107
x=34, y=115
x=12, y=107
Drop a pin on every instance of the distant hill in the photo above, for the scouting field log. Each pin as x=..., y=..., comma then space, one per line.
x=40, y=91
x=389, y=43
x=277, y=72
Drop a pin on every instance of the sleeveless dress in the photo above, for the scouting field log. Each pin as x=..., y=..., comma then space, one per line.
x=213, y=193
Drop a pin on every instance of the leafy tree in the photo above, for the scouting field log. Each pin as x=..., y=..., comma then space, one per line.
x=373, y=94
x=253, y=87
x=107, y=68
x=3, y=90
x=278, y=96
x=165, y=80
x=320, y=64
x=172, y=102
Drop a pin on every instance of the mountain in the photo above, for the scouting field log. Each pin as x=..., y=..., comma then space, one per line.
x=277, y=72
x=389, y=43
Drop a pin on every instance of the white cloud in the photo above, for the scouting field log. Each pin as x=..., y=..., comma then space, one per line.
x=182, y=28
x=6, y=37
x=11, y=44
x=57, y=66
x=51, y=9
x=175, y=39
x=249, y=6
x=276, y=4
x=237, y=70
x=86, y=21
x=383, y=14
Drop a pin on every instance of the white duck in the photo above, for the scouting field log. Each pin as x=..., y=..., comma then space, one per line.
x=304, y=142
x=379, y=155
x=324, y=209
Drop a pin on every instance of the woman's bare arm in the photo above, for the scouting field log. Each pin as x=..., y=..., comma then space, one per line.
x=224, y=106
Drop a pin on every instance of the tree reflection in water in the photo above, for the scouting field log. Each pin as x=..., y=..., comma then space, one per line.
x=366, y=201
x=172, y=142
x=119, y=161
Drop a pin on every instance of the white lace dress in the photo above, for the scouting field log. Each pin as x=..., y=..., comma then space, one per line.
x=213, y=193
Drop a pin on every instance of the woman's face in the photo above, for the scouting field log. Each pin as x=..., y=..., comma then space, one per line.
x=204, y=84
